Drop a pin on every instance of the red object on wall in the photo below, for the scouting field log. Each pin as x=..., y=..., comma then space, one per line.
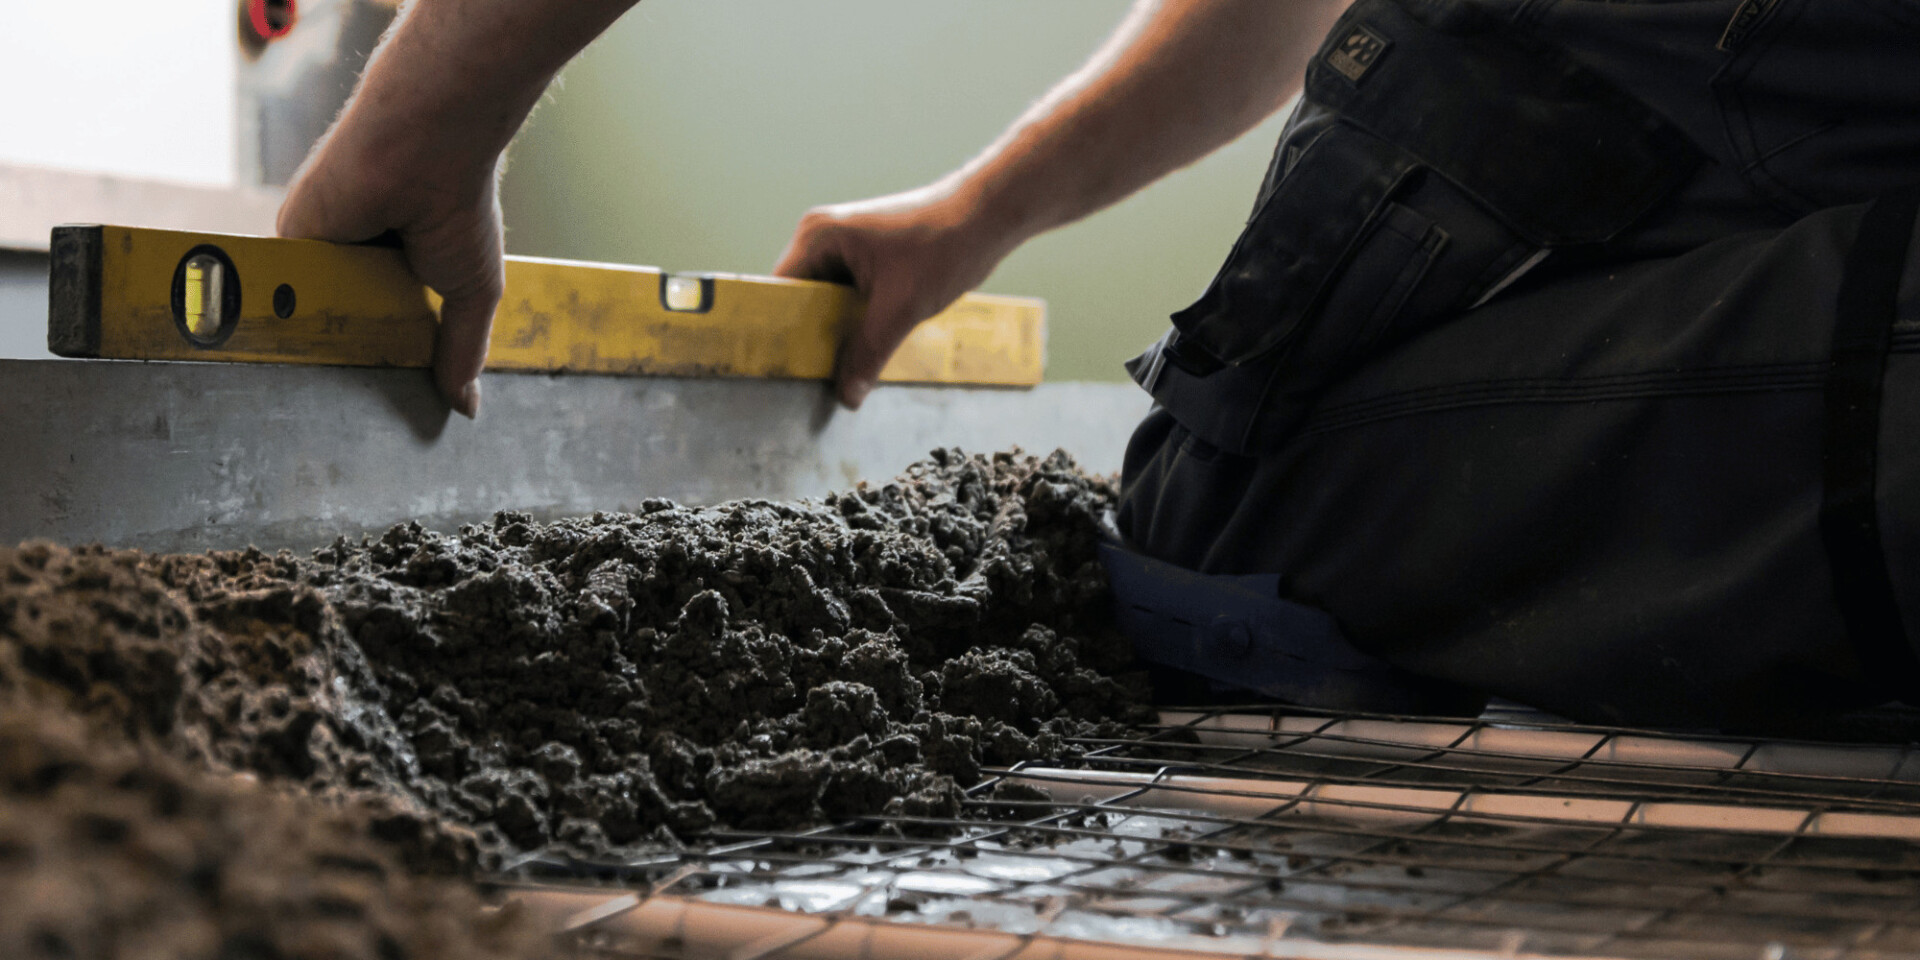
x=272, y=19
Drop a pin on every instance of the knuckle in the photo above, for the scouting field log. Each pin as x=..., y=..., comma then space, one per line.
x=485, y=280
x=818, y=228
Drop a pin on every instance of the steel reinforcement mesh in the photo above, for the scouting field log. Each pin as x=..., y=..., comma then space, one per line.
x=1291, y=833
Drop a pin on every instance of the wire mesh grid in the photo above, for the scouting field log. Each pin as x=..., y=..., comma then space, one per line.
x=1291, y=833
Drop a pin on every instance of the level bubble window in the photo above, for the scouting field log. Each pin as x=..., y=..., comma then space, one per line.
x=206, y=278
x=686, y=294
x=206, y=296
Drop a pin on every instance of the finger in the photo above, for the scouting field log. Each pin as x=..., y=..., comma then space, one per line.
x=797, y=259
x=814, y=253
x=870, y=345
x=298, y=211
x=460, y=348
x=311, y=213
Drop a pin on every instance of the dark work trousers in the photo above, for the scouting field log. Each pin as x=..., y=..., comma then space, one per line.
x=1601, y=492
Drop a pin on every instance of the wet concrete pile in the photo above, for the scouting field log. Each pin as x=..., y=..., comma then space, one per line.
x=626, y=679
x=598, y=684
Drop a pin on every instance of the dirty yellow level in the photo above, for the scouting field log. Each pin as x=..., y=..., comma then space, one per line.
x=141, y=294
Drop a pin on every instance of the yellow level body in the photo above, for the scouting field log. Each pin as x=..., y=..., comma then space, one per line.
x=140, y=294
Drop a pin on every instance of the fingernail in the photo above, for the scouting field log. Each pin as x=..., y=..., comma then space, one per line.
x=468, y=403
x=857, y=393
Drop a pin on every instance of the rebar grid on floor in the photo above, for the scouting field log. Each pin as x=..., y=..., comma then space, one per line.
x=1261, y=832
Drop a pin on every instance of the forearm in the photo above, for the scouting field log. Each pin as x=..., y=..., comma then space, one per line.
x=454, y=79
x=417, y=151
x=1178, y=79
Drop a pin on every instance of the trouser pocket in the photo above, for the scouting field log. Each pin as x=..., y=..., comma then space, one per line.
x=1386, y=211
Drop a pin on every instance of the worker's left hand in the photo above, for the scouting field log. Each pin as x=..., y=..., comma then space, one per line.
x=909, y=254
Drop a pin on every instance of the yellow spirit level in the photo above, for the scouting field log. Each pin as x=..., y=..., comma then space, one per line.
x=132, y=293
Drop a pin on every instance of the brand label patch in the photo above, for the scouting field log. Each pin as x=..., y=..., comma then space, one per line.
x=1745, y=20
x=1357, y=52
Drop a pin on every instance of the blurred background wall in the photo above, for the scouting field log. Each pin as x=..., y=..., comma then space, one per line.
x=694, y=134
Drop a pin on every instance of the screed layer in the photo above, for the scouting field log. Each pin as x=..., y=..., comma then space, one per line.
x=615, y=681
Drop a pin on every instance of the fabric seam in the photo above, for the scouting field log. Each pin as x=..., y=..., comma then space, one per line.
x=1757, y=378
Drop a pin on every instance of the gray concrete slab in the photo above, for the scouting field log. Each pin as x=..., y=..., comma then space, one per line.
x=187, y=456
x=23, y=305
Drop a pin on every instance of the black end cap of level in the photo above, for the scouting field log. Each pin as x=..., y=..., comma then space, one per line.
x=73, y=291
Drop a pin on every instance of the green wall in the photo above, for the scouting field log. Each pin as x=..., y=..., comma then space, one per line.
x=694, y=134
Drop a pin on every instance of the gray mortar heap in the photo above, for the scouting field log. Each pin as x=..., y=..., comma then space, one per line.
x=613, y=682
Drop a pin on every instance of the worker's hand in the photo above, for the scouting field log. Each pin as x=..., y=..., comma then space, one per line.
x=447, y=216
x=910, y=255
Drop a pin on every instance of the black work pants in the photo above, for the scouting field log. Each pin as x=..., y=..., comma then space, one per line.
x=1599, y=494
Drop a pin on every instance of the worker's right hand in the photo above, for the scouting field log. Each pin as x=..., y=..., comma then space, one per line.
x=357, y=186
x=909, y=254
